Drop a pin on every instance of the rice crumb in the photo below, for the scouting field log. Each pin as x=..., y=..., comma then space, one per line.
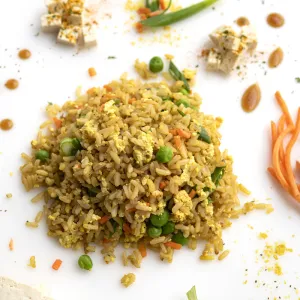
x=128, y=279
x=9, y=195
x=262, y=235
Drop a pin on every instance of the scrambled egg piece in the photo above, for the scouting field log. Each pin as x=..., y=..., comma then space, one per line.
x=128, y=279
x=184, y=198
x=119, y=143
x=89, y=129
x=110, y=107
x=185, y=175
x=189, y=74
x=143, y=154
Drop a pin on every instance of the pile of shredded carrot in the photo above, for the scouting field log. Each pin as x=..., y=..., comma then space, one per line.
x=281, y=168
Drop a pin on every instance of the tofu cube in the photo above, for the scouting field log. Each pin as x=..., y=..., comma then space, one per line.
x=229, y=61
x=229, y=42
x=55, y=6
x=51, y=22
x=249, y=38
x=89, y=35
x=75, y=19
x=213, y=60
x=217, y=34
x=69, y=35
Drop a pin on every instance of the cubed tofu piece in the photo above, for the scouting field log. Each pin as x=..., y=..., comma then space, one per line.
x=217, y=34
x=75, y=19
x=249, y=38
x=51, y=22
x=55, y=6
x=229, y=61
x=69, y=35
x=229, y=42
x=213, y=60
x=89, y=35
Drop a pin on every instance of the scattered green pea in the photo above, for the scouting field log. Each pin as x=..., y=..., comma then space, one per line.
x=179, y=238
x=42, y=155
x=85, y=262
x=156, y=64
x=168, y=228
x=154, y=232
x=160, y=220
x=164, y=154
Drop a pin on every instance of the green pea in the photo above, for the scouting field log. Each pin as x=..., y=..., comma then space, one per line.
x=156, y=64
x=160, y=220
x=42, y=155
x=154, y=232
x=168, y=228
x=179, y=238
x=183, y=102
x=85, y=262
x=164, y=154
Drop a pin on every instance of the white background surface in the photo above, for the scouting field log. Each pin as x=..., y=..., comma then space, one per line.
x=52, y=74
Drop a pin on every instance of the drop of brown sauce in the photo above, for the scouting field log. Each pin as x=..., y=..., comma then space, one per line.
x=251, y=98
x=12, y=84
x=6, y=124
x=242, y=21
x=276, y=58
x=275, y=20
x=24, y=54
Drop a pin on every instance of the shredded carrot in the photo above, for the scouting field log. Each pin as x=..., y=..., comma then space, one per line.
x=163, y=184
x=11, y=245
x=108, y=88
x=281, y=168
x=162, y=4
x=139, y=27
x=173, y=245
x=144, y=11
x=126, y=228
x=57, y=122
x=184, y=134
x=132, y=209
x=276, y=164
x=289, y=170
x=192, y=194
x=173, y=131
x=56, y=265
x=142, y=249
x=104, y=219
x=284, y=108
x=177, y=142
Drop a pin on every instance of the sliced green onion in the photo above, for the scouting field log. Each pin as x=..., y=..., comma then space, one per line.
x=183, y=102
x=178, y=76
x=173, y=17
x=203, y=136
x=69, y=146
x=217, y=175
x=153, y=6
x=192, y=294
x=182, y=113
x=184, y=92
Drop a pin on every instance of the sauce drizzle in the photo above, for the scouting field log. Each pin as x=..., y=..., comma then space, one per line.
x=6, y=124
x=12, y=84
x=275, y=20
x=24, y=54
x=242, y=21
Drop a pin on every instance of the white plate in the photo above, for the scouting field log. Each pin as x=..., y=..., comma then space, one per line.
x=53, y=73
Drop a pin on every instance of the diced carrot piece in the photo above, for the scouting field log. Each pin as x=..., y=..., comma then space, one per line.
x=142, y=249
x=92, y=72
x=126, y=228
x=139, y=27
x=155, y=13
x=177, y=142
x=173, y=131
x=162, y=4
x=108, y=88
x=163, y=184
x=184, y=134
x=173, y=245
x=104, y=219
x=57, y=122
x=11, y=245
x=130, y=101
x=298, y=165
x=101, y=108
x=192, y=194
x=144, y=11
x=56, y=265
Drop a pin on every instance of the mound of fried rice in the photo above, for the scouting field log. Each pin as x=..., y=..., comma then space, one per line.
x=120, y=128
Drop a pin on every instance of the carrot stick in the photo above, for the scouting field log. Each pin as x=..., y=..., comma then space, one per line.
x=184, y=134
x=142, y=249
x=163, y=184
x=177, y=142
x=287, y=160
x=275, y=159
x=284, y=108
x=104, y=219
x=192, y=194
x=162, y=4
x=173, y=245
x=56, y=265
x=57, y=122
x=281, y=124
x=126, y=228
